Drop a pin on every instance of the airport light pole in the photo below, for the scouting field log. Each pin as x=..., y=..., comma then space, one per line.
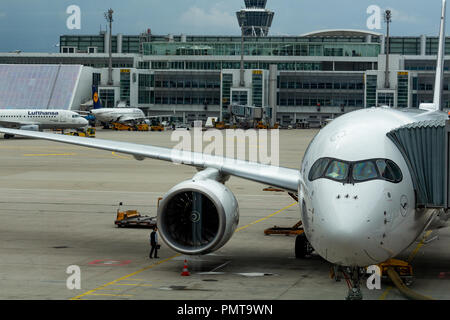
x=109, y=19
x=388, y=20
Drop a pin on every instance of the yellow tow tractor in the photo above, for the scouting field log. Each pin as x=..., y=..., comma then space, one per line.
x=133, y=219
x=402, y=268
x=128, y=127
x=157, y=127
x=221, y=125
x=89, y=132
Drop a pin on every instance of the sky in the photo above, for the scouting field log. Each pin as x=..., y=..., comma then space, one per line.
x=35, y=25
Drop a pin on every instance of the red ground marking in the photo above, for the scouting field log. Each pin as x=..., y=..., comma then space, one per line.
x=112, y=263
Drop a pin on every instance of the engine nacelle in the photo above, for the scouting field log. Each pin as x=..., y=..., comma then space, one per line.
x=30, y=127
x=198, y=216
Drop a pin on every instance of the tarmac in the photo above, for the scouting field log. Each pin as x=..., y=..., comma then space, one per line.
x=58, y=205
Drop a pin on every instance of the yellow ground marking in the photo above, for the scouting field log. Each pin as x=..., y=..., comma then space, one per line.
x=385, y=293
x=133, y=284
x=268, y=217
x=129, y=276
x=120, y=156
x=49, y=154
x=91, y=292
x=109, y=289
x=110, y=295
x=410, y=259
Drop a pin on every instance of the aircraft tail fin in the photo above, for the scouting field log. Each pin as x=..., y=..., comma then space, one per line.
x=437, y=104
x=95, y=98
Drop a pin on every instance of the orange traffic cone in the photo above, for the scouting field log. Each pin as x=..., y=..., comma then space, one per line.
x=185, y=272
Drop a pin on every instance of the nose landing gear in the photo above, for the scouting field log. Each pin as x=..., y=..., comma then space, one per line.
x=354, y=283
x=352, y=276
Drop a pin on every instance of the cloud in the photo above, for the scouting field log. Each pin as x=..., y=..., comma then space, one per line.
x=211, y=19
x=401, y=16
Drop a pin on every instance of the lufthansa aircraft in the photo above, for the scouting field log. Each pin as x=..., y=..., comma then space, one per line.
x=353, y=180
x=120, y=115
x=38, y=120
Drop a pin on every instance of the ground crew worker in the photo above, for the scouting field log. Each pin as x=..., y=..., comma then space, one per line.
x=154, y=243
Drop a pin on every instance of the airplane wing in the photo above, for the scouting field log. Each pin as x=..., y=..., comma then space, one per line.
x=280, y=177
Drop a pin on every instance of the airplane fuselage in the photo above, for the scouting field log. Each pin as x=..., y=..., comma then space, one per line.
x=352, y=214
x=43, y=119
x=118, y=114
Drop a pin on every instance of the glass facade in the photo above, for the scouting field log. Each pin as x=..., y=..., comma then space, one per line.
x=146, y=95
x=261, y=49
x=227, y=83
x=386, y=99
x=403, y=86
x=37, y=86
x=257, y=84
x=125, y=85
x=107, y=97
x=312, y=90
x=130, y=44
x=187, y=88
x=371, y=91
x=96, y=79
x=239, y=97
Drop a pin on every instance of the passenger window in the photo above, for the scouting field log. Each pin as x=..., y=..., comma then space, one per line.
x=318, y=169
x=337, y=170
x=364, y=171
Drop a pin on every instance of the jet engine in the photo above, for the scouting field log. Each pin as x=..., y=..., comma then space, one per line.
x=30, y=127
x=198, y=216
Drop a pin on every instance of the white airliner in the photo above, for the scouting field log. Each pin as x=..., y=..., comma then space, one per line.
x=120, y=115
x=38, y=120
x=355, y=190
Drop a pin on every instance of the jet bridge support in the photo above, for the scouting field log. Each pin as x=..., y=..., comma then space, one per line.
x=425, y=147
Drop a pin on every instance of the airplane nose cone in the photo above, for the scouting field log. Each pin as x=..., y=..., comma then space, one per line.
x=345, y=229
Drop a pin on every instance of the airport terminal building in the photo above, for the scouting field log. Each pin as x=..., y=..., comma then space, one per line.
x=314, y=76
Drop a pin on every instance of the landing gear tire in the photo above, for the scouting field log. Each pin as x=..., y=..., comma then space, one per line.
x=301, y=246
x=8, y=136
x=354, y=275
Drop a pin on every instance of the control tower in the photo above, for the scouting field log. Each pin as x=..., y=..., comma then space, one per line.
x=255, y=19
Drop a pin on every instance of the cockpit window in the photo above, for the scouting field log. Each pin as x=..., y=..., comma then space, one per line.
x=357, y=171
x=337, y=170
x=389, y=170
x=363, y=171
x=318, y=169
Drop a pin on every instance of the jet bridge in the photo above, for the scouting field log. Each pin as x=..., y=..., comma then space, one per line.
x=425, y=147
